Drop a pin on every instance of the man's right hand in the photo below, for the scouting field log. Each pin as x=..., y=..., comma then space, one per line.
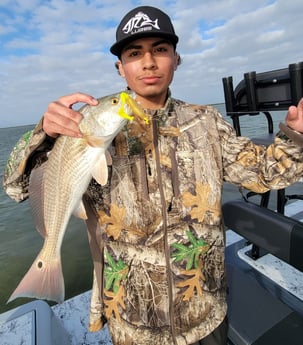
x=60, y=118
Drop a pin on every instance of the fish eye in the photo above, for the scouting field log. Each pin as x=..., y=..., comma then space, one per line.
x=115, y=101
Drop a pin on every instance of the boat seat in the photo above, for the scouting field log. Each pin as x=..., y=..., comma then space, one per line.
x=259, y=311
x=255, y=315
x=275, y=233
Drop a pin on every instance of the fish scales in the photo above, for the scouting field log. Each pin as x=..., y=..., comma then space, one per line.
x=65, y=182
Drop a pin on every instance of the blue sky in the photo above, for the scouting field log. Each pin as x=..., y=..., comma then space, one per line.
x=50, y=48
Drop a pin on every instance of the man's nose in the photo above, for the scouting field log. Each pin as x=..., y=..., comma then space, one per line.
x=149, y=61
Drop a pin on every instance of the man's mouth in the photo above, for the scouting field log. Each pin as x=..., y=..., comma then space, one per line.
x=150, y=79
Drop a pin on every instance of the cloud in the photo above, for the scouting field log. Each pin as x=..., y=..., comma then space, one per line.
x=52, y=48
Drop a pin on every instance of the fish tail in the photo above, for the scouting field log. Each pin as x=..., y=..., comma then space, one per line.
x=44, y=280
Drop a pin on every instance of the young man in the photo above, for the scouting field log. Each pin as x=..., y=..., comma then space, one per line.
x=164, y=194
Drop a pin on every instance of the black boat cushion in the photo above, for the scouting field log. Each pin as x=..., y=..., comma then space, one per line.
x=276, y=233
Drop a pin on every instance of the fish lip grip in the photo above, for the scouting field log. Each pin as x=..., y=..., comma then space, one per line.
x=125, y=98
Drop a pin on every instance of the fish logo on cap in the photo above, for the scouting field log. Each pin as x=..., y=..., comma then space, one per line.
x=140, y=22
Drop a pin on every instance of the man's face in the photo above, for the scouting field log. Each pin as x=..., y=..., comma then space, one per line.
x=148, y=65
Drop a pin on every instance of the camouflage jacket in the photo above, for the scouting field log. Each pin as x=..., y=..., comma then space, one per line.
x=157, y=224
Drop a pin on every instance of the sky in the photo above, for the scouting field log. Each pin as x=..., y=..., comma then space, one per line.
x=50, y=48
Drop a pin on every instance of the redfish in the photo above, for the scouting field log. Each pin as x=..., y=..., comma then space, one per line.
x=56, y=188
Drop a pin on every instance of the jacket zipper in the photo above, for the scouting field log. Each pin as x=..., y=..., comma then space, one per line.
x=164, y=216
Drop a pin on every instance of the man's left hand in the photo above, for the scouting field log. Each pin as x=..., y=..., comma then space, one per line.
x=294, y=117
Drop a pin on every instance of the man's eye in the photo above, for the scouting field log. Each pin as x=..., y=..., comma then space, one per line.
x=134, y=53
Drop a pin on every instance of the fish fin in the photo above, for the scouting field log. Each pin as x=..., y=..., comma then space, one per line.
x=80, y=211
x=44, y=280
x=100, y=170
x=94, y=141
x=109, y=159
x=36, y=198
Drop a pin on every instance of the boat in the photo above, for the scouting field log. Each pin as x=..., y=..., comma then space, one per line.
x=264, y=249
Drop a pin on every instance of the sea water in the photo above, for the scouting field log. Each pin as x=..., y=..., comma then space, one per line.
x=20, y=242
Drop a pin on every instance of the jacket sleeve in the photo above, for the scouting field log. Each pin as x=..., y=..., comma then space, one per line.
x=29, y=152
x=260, y=168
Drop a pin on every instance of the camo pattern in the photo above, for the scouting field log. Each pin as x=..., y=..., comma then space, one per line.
x=29, y=152
x=160, y=233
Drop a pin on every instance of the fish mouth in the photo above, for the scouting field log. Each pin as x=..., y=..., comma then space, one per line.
x=130, y=108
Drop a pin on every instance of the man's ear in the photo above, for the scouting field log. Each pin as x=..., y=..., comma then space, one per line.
x=120, y=69
x=177, y=61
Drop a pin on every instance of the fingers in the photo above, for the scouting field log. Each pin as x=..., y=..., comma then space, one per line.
x=295, y=112
x=300, y=107
x=294, y=117
x=292, y=113
x=74, y=98
x=60, y=118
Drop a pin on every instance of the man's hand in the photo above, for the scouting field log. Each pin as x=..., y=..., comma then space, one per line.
x=60, y=118
x=294, y=117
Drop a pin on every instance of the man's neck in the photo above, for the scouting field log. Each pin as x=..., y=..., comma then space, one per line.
x=152, y=103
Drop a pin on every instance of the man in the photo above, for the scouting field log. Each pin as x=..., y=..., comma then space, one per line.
x=164, y=194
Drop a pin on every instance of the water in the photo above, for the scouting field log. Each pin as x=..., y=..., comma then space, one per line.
x=20, y=242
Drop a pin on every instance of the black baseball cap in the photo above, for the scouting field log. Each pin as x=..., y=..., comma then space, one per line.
x=143, y=21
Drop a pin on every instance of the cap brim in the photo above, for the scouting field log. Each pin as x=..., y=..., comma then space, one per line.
x=117, y=48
